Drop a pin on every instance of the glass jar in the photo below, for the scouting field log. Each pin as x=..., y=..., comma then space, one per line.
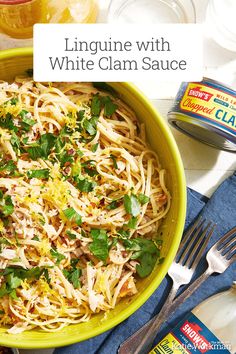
x=17, y=17
x=152, y=11
x=71, y=11
x=220, y=21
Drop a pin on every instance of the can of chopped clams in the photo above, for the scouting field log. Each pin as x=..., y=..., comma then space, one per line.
x=206, y=111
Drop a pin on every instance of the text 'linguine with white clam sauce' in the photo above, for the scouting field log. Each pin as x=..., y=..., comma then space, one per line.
x=81, y=198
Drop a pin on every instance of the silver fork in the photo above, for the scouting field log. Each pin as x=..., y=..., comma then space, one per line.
x=181, y=270
x=219, y=257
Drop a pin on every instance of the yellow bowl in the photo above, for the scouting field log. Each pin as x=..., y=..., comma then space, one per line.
x=16, y=61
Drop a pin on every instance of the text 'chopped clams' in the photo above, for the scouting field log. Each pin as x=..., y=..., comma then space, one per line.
x=81, y=199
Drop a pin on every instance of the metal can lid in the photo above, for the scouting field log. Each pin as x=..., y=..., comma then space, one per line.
x=201, y=131
x=219, y=83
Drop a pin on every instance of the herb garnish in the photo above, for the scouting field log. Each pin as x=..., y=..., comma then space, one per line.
x=94, y=147
x=113, y=157
x=102, y=101
x=142, y=198
x=71, y=235
x=73, y=274
x=89, y=168
x=13, y=101
x=84, y=184
x=72, y=216
x=99, y=247
x=15, y=142
x=90, y=126
x=14, y=276
x=105, y=87
x=55, y=254
x=112, y=205
x=8, y=166
x=124, y=234
x=7, y=123
x=109, y=106
x=41, y=174
x=96, y=105
x=145, y=251
x=42, y=146
x=132, y=205
x=26, y=123
x=132, y=223
x=6, y=205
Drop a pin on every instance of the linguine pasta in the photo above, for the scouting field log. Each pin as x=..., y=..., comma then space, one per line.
x=81, y=198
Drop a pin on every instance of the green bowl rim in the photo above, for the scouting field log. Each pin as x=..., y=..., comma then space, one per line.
x=28, y=51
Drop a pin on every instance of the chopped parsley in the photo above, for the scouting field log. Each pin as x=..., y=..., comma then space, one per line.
x=13, y=101
x=96, y=105
x=114, y=161
x=7, y=123
x=105, y=87
x=64, y=157
x=41, y=174
x=23, y=273
x=15, y=142
x=46, y=275
x=132, y=205
x=145, y=251
x=8, y=166
x=73, y=216
x=35, y=238
x=89, y=126
x=102, y=101
x=25, y=140
x=47, y=142
x=6, y=205
x=90, y=167
x=35, y=152
x=73, y=274
x=26, y=123
x=132, y=223
x=109, y=106
x=59, y=144
x=99, y=247
x=84, y=184
x=71, y=235
x=80, y=115
x=58, y=256
x=142, y=198
x=42, y=147
x=94, y=147
x=123, y=234
x=13, y=277
x=112, y=205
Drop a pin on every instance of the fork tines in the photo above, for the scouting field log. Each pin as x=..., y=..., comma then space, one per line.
x=194, y=242
x=227, y=244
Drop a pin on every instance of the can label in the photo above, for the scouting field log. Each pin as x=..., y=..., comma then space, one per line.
x=212, y=103
x=191, y=336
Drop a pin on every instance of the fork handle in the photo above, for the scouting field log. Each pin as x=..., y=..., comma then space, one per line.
x=138, y=339
x=191, y=288
x=138, y=342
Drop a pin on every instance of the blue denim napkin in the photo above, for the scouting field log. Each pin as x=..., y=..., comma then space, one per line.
x=221, y=209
